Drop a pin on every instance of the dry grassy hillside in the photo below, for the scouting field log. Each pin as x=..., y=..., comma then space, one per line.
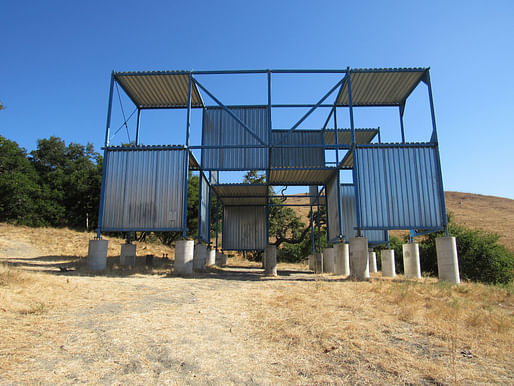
x=493, y=214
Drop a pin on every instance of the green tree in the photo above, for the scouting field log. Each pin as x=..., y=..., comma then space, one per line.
x=19, y=190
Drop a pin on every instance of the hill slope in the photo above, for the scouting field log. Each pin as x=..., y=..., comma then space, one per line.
x=493, y=214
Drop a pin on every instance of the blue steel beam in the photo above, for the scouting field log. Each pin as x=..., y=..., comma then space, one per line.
x=306, y=115
x=229, y=112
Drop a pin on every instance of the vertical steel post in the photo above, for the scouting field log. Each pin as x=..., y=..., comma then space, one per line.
x=313, y=241
x=402, y=109
x=200, y=208
x=107, y=135
x=269, y=144
x=186, y=154
x=338, y=179
x=379, y=137
x=137, y=125
x=217, y=219
x=436, y=141
x=319, y=228
x=109, y=110
x=355, y=173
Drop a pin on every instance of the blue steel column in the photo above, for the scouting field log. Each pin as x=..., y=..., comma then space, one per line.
x=319, y=227
x=435, y=140
x=217, y=219
x=269, y=157
x=137, y=125
x=313, y=241
x=107, y=135
x=338, y=179
x=186, y=154
x=402, y=109
x=355, y=173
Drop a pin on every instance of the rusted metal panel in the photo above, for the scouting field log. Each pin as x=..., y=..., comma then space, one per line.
x=144, y=189
x=244, y=228
x=221, y=129
x=399, y=187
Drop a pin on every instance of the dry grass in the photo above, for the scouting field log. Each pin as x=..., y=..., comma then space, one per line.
x=232, y=325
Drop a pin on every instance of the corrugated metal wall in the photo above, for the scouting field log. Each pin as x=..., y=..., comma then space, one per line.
x=204, y=226
x=244, y=228
x=399, y=187
x=219, y=128
x=144, y=189
x=333, y=209
x=349, y=215
x=298, y=157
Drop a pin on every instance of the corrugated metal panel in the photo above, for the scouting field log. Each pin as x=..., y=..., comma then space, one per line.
x=244, y=228
x=298, y=157
x=158, y=89
x=204, y=209
x=333, y=209
x=381, y=86
x=399, y=187
x=349, y=215
x=144, y=189
x=241, y=194
x=219, y=128
x=345, y=136
x=300, y=177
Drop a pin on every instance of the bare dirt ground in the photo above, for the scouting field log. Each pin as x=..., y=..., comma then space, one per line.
x=233, y=326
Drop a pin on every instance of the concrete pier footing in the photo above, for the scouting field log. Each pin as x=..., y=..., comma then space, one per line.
x=184, y=252
x=271, y=261
x=342, y=259
x=97, y=254
x=388, y=265
x=447, y=259
x=128, y=254
x=318, y=262
x=221, y=259
x=328, y=260
x=411, y=264
x=372, y=258
x=359, y=263
x=211, y=257
x=264, y=259
x=199, y=257
x=310, y=260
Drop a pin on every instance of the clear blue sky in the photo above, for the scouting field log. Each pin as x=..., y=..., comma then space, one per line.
x=56, y=59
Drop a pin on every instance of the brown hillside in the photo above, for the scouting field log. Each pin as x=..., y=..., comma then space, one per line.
x=493, y=214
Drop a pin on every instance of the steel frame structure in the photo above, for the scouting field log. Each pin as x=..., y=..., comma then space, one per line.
x=181, y=90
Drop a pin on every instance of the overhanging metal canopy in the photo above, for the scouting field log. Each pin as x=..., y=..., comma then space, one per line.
x=380, y=87
x=157, y=90
x=344, y=136
x=241, y=194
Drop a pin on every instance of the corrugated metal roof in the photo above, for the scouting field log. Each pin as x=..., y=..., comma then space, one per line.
x=344, y=136
x=380, y=87
x=300, y=176
x=168, y=89
x=241, y=194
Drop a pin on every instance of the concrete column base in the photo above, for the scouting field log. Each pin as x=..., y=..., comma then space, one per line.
x=328, y=260
x=318, y=262
x=264, y=259
x=388, y=266
x=221, y=259
x=184, y=251
x=271, y=261
x=447, y=259
x=372, y=257
x=97, y=254
x=359, y=263
x=199, y=257
x=342, y=259
x=211, y=257
x=311, y=262
x=411, y=264
x=128, y=254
